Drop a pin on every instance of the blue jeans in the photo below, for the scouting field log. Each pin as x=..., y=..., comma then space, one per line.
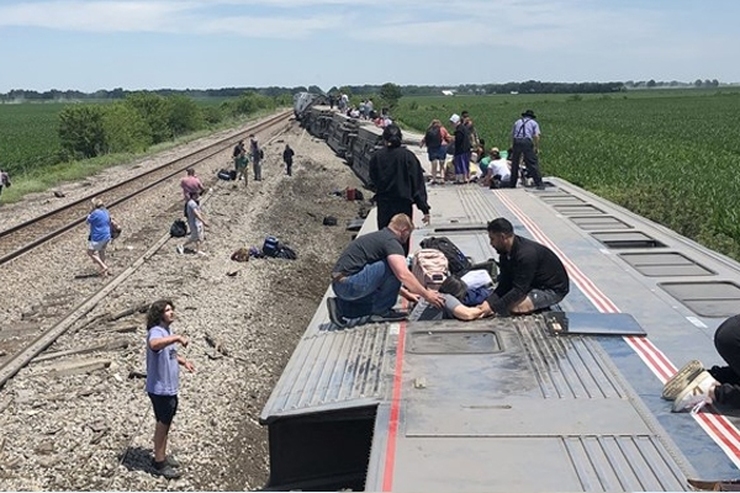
x=372, y=291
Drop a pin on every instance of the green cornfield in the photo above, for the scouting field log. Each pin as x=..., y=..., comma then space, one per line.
x=670, y=156
x=28, y=136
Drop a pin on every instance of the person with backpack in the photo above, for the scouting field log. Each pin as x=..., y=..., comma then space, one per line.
x=436, y=139
x=397, y=179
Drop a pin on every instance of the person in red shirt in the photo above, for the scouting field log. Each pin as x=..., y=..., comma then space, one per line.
x=191, y=183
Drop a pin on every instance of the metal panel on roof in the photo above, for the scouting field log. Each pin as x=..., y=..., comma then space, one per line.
x=709, y=299
x=332, y=370
x=664, y=264
x=594, y=223
x=543, y=403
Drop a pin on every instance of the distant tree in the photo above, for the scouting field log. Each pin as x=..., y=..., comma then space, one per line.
x=715, y=83
x=81, y=131
x=651, y=83
x=183, y=115
x=698, y=83
x=390, y=93
x=315, y=90
x=348, y=91
x=155, y=111
x=125, y=129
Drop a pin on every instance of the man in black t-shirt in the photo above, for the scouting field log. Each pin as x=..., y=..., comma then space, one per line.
x=369, y=273
x=531, y=276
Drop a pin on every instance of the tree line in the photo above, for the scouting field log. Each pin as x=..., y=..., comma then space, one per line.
x=144, y=119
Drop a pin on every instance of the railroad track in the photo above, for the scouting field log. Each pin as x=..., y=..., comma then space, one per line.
x=26, y=236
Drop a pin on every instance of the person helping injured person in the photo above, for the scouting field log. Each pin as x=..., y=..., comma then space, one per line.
x=369, y=273
x=532, y=277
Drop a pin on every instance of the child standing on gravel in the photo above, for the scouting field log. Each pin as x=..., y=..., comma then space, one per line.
x=163, y=379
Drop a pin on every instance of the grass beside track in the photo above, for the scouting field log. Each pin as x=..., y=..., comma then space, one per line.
x=670, y=156
x=28, y=135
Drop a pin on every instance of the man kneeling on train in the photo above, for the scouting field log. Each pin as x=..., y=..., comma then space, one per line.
x=368, y=276
x=531, y=276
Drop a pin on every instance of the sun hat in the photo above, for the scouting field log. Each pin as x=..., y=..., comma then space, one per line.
x=529, y=113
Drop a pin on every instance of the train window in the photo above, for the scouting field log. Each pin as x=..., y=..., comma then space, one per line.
x=664, y=264
x=628, y=239
x=709, y=299
x=599, y=223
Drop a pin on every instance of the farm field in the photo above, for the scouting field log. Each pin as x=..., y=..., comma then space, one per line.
x=28, y=135
x=671, y=156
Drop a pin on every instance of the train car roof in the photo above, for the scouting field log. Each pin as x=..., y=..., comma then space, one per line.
x=506, y=404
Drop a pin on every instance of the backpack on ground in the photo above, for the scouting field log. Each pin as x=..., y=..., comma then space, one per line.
x=286, y=252
x=270, y=247
x=178, y=228
x=430, y=267
x=225, y=174
x=459, y=264
x=433, y=138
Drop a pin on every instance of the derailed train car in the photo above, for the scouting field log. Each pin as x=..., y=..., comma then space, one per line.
x=566, y=401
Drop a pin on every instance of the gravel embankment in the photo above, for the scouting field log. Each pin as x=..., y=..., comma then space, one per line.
x=92, y=430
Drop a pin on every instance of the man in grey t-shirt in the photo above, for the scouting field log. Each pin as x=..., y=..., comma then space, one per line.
x=196, y=223
x=369, y=274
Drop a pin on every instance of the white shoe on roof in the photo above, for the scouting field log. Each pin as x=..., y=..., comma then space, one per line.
x=696, y=395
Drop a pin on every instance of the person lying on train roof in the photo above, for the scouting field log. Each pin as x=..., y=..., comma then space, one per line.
x=693, y=387
x=368, y=276
x=459, y=303
x=531, y=276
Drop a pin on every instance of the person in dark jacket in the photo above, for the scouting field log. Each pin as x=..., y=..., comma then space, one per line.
x=397, y=178
x=531, y=276
x=461, y=158
x=288, y=159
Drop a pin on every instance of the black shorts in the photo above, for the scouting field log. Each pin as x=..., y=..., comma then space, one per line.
x=165, y=407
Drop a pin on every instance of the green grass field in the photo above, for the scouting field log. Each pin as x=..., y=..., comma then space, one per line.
x=28, y=135
x=671, y=156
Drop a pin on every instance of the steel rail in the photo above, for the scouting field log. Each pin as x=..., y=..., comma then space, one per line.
x=39, y=230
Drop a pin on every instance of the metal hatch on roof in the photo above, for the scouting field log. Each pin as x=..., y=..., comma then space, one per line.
x=452, y=228
x=595, y=223
x=576, y=210
x=708, y=299
x=627, y=239
x=664, y=264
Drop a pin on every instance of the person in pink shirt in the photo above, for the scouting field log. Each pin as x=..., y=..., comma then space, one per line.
x=191, y=183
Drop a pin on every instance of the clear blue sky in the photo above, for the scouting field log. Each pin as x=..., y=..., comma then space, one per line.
x=149, y=44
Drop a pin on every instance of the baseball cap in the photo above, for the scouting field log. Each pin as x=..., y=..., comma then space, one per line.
x=455, y=118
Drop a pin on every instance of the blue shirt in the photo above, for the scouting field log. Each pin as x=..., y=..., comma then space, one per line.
x=162, y=368
x=99, y=221
x=525, y=128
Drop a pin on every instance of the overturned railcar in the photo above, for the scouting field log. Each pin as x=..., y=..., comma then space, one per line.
x=560, y=401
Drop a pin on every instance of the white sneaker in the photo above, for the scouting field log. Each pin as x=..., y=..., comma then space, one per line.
x=681, y=379
x=696, y=395
x=201, y=253
x=180, y=249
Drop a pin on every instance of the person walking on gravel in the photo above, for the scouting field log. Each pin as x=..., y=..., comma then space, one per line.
x=100, y=225
x=288, y=159
x=196, y=223
x=163, y=379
